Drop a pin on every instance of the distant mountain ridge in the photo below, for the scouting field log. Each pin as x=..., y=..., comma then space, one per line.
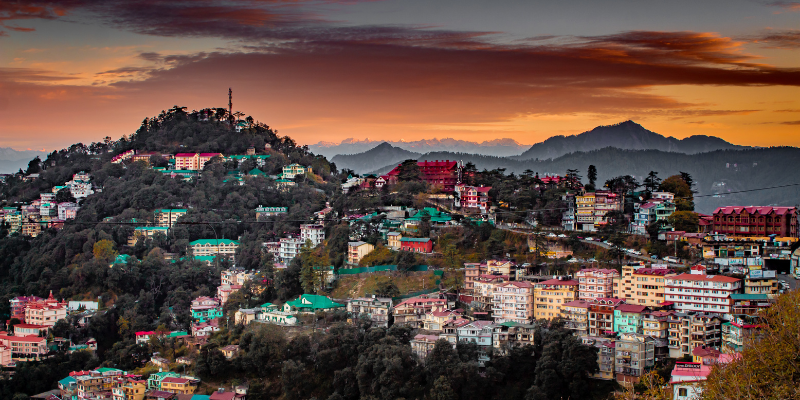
x=627, y=135
x=379, y=156
x=12, y=160
x=498, y=147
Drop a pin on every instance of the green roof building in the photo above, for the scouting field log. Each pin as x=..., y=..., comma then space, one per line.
x=310, y=303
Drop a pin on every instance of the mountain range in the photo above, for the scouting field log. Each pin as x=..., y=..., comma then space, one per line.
x=625, y=135
x=12, y=160
x=497, y=147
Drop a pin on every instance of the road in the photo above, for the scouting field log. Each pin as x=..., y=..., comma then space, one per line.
x=594, y=243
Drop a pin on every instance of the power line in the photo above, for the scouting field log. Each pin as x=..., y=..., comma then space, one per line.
x=749, y=190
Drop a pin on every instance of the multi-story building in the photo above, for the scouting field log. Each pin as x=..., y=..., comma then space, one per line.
x=179, y=385
x=214, y=247
x=46, y=312
x=649, y=213
x=266, y=212
x=19, y=303
x=592, y=208
x=168, y=217
x=193, y=161
x=436, y=320
x=292, y=170
x=24, y=348
x=480, y=333
x=473, y=198
x=596, y=283
x=576, y=314
x=642, y=286
x=130, y=389
x=755, y=221
x=568, y=222
x=30, y=330
x=751, y=304
x=703, y=293
x=416, y=245
x=357, y=250
x=501, y=267
x=628, y=318
x=68, y=210
x=606, y=355
x=690, y=330
x=634, y=355
x=393, y=240
x=761, y=282
x=601, y=316
x=483, y=291
x=737, y=331
x=422, y=345
x=206, y=309
x=472, y=271
x=656, y=325
x=412, y=311
x=512, y=334
x=512, y=302
x=313, y=232
x=443, y=174
x=290, y=248
x=146, y=232
x=376, y=309
x=551, y=295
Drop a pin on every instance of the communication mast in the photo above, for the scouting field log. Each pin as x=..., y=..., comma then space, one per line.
x=230, y=101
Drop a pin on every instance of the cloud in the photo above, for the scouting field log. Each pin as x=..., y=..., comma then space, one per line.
x=778, y=39
x=790, y=123
x=786, y=5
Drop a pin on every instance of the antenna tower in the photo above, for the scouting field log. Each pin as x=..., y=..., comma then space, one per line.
x=230, y=101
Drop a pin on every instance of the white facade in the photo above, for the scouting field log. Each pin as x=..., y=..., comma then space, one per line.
x=704, y=293
x=290, y=248
x=313, y=232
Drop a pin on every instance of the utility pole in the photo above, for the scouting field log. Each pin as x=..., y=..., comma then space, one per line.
x=230, y=101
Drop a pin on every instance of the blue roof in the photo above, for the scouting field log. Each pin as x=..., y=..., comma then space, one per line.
x=66, y=381
x=200, y=397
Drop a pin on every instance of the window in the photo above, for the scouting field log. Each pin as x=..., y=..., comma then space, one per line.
x=683, y=392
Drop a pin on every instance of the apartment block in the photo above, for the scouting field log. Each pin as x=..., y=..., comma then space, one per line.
x=601, y=316
x=596, y=283
x=703, y=293
x=551, y=295
x=168, y=217
x=576, y=313
x=634, y=355
x=513, y=302
x=313, y=232
x=642, y=286
x=690, y=330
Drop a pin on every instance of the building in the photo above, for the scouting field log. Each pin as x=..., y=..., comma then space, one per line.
x=68, y=210
x=656, y=325
x=357, y=250
x=473, y=198
x=204, y=329
x=634, y=354
x=551, y=295
x=412, y=311
x=704, y=293
x=755, y=221
x=436, y=320
x=513, y=302
x=45, y=312
x=592, y=208
x=266, y=212
x=292, y=170
x=19, y=303
x=596, y=283
x=168, y=217
x=422, y=345
x=601, y=316
x=230, y=350
x=484, y=290
x=686, y=378
x=393, y=240
x=761, y=282
x=146, y=232
x=642, y=286
x=576, y=314
x=313, y=232
x=480, y=333
x=416, y=245
x=628, y=318
x=290, y=248
x=737, y=331
x=271, y=314
x=205, y=309
x=443, y=174
x=606, y=356
x=512, y=334
x=310, y=304
x=193, y=161
x=244, y=316
x=377, y=310
x=751, y=304
x=30, y=330
x=690, y=330
x=649, y=213
x=214, y=247
x=24, y=348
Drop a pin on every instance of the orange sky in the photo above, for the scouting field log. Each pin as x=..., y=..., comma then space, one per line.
x=71, y=71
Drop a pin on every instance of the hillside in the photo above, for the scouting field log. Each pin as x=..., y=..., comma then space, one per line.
x=626, y=135
x=720, y=171
x=498, y=147
x=377, y=157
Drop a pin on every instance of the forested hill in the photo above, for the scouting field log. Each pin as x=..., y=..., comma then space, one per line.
x=721, y=171
x=74, y=262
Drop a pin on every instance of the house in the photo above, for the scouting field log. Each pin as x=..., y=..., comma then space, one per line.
x=512, y=334
x=377, y=310
x=160, y=362
x=206, y=309
x=551, y=295
x=412, y=311
x=292, y=170
x=266, y=212
x=434, y=216
x=67, y=210
x=576, y=314
x=24, y=348
x=313, y=232
x=244, y=315
x=213, y=247
x=473, y=198
x=416, y=245
x=596, y=283
x=480, y=333
x=193, y=161
x=225, y=290
x=205, y=329
x=271, y=314
x=435, y=320
x=290, y=248
x=357, y=250
x=310, y=303
x=422, y=345
x=230, y=350
x=393, y=240
x=655, y=210
x=628, y=318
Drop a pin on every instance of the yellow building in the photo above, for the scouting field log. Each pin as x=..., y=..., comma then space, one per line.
x=179, y=385
x=393, y=240
x=357, y=250
x=292, y=170
x=641, y=286
x=550, y=297
x=146, y=232
x=168, y=217
x=761, y=284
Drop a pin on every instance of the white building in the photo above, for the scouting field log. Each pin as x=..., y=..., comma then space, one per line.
x=290, y=247
x=705, y=293
x=213, y=247
x=313, y=232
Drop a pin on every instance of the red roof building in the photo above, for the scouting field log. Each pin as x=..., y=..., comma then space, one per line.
x=755, y=221
x=705, y=293
x=442, y=173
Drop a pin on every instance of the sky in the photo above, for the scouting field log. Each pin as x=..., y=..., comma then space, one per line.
x=326, y=70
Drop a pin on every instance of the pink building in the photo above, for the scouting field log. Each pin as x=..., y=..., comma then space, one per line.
x=25, y=347
x=473, y=197
x=29, y=329
x=596, y=283
x=512, y=302
x=5, y=356
x=45, y=312
x=18, y=305
x=193, y=161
